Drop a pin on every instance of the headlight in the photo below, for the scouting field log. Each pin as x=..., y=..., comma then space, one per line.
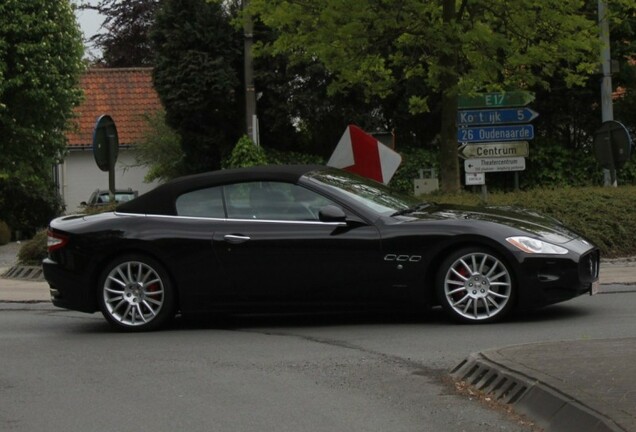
x=534, y=246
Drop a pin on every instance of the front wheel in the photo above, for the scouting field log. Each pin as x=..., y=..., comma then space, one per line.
x=136, y=294
x=474, y=285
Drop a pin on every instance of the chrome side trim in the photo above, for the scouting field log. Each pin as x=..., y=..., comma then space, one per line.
x=335, y=224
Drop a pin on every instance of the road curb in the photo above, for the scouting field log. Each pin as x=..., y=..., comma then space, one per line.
x=552, y=409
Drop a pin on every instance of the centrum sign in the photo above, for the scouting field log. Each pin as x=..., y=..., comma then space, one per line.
x=496, y=133
x=494, y=149
x=494, y=165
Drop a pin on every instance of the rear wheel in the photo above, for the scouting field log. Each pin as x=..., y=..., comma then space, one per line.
x=475, y=285
x=135, y=294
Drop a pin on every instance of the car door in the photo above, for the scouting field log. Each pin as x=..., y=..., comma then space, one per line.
x=198, y=272
x=275, y=249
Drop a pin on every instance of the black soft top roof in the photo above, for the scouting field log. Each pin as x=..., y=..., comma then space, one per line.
x=161, y=199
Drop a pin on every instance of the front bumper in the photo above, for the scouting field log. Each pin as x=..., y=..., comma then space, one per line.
x=552, y=280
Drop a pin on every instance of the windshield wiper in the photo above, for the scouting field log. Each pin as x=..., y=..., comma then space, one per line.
x=413, y=209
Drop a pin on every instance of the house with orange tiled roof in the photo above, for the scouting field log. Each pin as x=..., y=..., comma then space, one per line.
x=127, y=95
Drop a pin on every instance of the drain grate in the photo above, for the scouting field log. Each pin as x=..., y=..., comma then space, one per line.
x=503, y=386
x=550, y=408
x=33, y=273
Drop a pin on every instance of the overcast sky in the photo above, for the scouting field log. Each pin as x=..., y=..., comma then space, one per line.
x=89, y=21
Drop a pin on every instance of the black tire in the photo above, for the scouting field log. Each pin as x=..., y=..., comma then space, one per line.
x=135, y=293
x=475, y=285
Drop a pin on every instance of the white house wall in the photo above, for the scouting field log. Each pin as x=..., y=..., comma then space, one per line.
x=79, y=176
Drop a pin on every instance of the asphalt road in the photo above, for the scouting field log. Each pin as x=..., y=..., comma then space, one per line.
x=63, y=370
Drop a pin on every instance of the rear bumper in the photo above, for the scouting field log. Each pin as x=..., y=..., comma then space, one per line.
x=69, y=290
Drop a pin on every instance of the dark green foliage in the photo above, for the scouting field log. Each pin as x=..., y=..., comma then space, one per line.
x=297, y=113
x=40, y=64
x=413, y=160
x=277, y=157
x=197, y=74
x=100, y=209
x=5, y=233
x=246, y=154
x=28, y=205
x=601, y=214
x=35, y=250
x=125, y=40
x=552, y=165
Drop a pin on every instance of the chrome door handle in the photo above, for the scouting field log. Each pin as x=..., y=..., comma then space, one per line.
x=235, y=239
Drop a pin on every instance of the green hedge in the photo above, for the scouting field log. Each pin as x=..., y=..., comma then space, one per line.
x=604, y=215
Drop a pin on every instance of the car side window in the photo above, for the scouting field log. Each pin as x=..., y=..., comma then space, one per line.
x=202, y=203
x=273, y=201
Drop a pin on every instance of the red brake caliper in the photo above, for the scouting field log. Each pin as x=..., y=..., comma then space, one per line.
x=462, y=271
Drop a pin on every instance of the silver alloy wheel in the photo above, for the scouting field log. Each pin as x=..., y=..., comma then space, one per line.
x=477, y=286
x=133, y=293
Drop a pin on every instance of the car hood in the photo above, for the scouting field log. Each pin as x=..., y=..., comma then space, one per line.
x=545, y=227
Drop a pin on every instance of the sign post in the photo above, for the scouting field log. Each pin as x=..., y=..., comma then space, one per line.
x=494, y=133
x=363, y=154
x=495, y=165
x=493, y=149
x=496, y=116
x=106, y=149
x=499, y=100
x=612, y=146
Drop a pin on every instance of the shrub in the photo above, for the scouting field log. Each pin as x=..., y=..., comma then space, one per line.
x=28, y=204
x=278, y=157
x=413, y=160
x=34, y=251
x=5, y=233
x=89, y=210
x=245, y=154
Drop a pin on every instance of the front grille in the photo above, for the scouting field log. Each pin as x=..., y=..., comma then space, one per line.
x=589, y=266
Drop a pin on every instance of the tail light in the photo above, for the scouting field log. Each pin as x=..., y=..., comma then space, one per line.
x=55, y=240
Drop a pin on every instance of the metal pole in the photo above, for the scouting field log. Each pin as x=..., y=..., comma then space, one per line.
x=112, y=160
x=607, y=109
x=250, y=92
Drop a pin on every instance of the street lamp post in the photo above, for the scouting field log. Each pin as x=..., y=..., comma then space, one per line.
x=607, y=110
x=250, y=92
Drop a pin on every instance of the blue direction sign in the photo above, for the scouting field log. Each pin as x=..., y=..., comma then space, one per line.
x=496, y=116
x=496, y=133
x=496, y=100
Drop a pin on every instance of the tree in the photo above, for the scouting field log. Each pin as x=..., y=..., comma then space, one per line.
x=160, y=150
x=40, y=65
x=623, y=49
x=199, y=56
x=125, y=41
x=451, y=47
x=296, y=113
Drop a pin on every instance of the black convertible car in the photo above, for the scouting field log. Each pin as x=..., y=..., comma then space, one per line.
x=307, y=237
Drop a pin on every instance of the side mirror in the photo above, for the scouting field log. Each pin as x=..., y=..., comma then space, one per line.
x=332, y=213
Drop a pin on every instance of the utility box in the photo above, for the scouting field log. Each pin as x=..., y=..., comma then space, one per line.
x=425, y=185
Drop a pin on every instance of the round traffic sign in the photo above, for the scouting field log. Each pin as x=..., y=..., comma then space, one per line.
x=105, y=143
x=612, y=145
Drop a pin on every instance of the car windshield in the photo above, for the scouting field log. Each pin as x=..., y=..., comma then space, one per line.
x=119, y=197
x=371, y=194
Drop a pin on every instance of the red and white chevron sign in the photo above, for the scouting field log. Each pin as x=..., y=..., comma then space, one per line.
x=360, y=153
